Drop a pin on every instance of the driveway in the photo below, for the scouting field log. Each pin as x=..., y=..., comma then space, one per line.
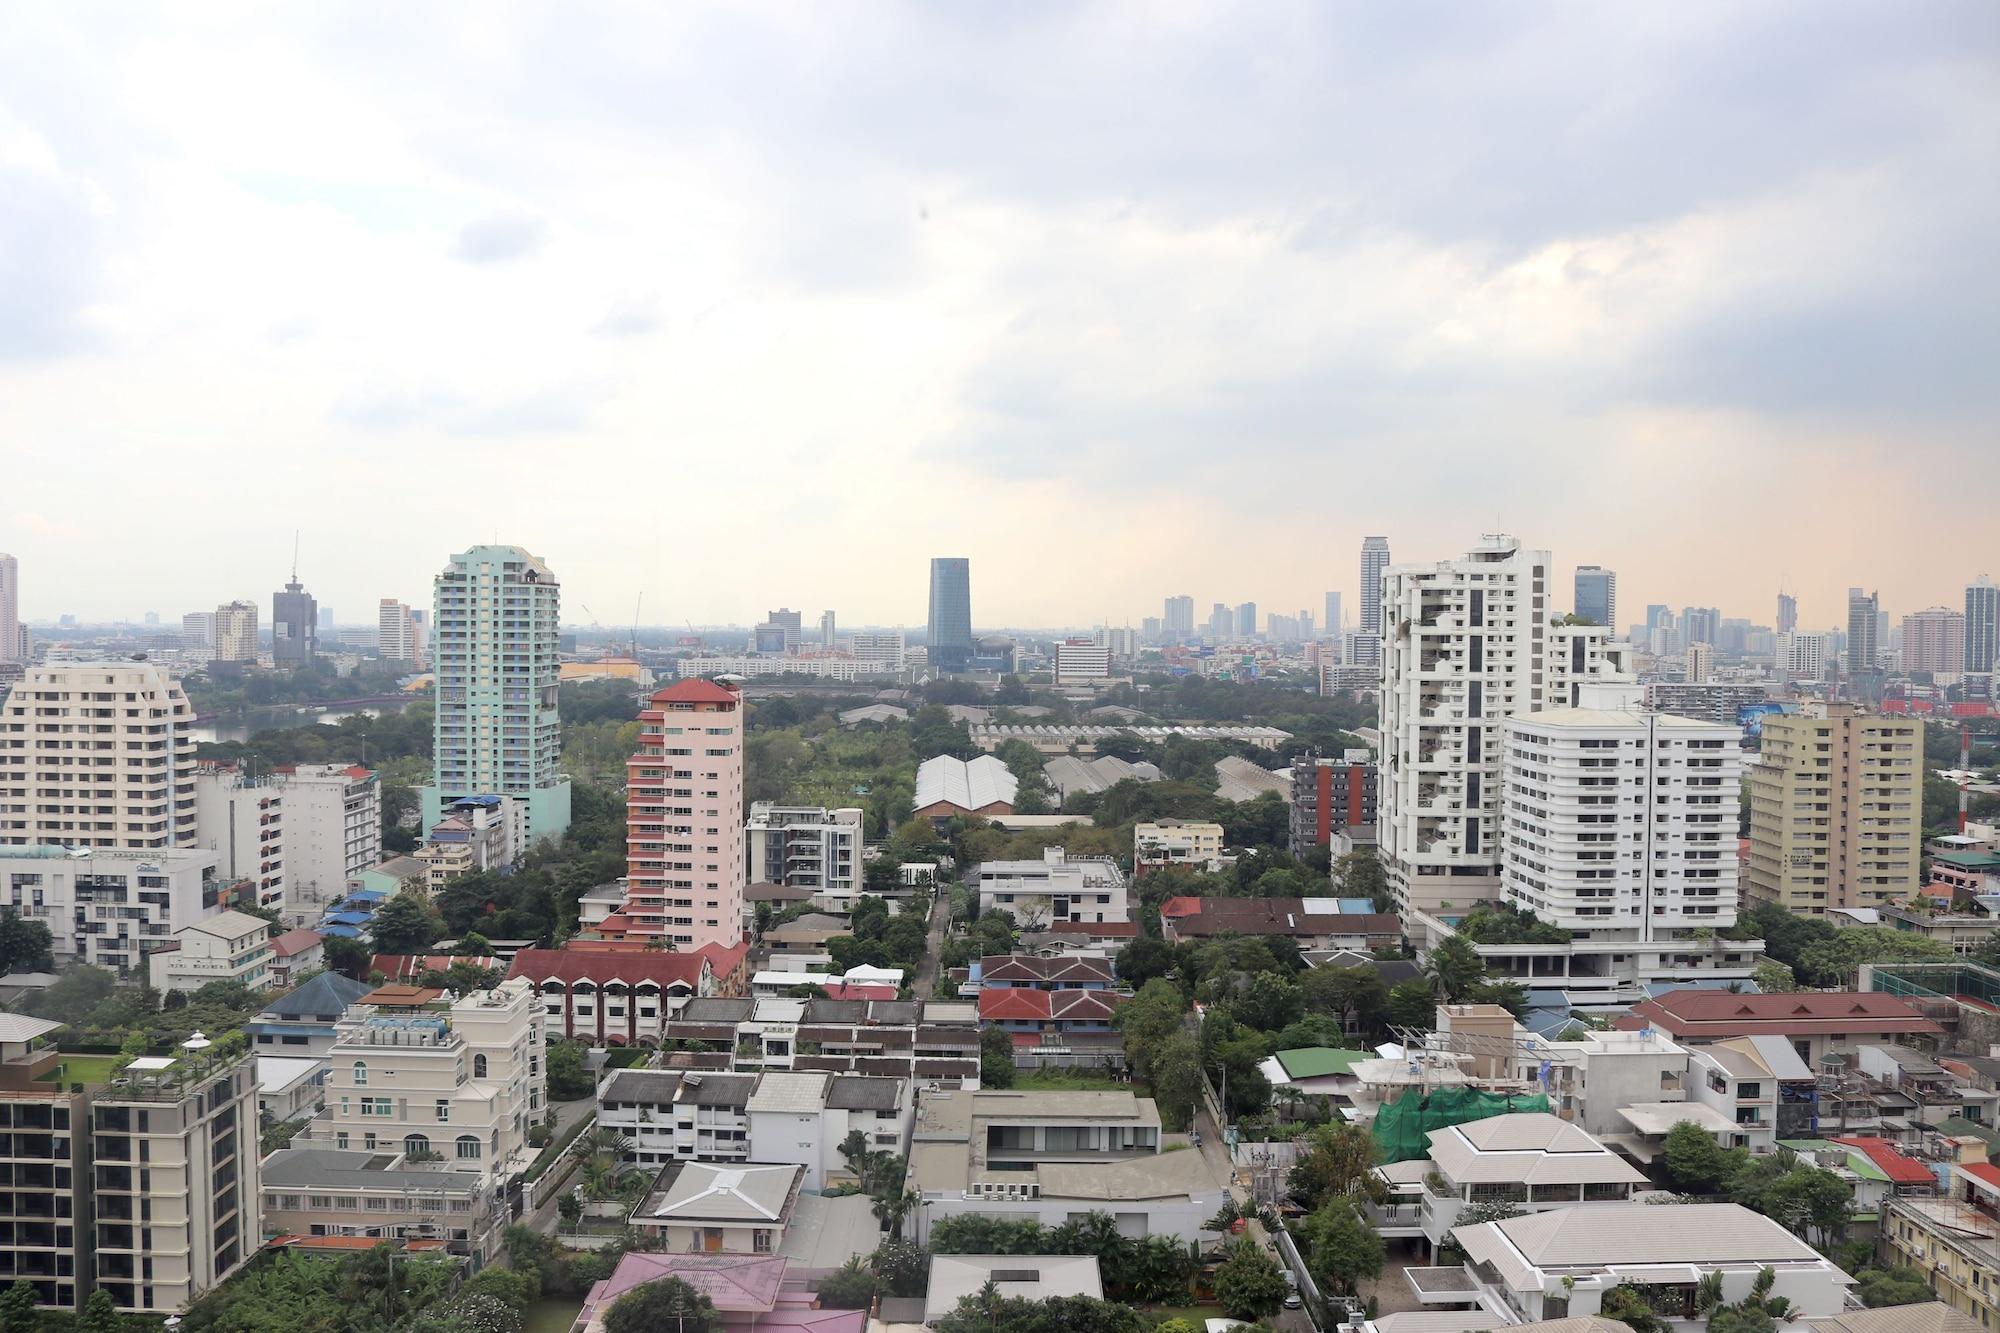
x=927, y=970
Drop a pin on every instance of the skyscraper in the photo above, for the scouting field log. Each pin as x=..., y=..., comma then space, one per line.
x=497, y=730
x=684, y=846
x=1335, y=621
x=10, y=609
x=1220, y=623
x=829, y=631
x=1788, y=613
x=1246, y=620
x=395, y=632
x=1472, y=643
x=1374, y=560
x=1934, y=641
x=236, y=632
x=294, y=625
x=1864, y=651
x=1179, y=618
x=1982, y=626
x=951, y=614
x=1597, y=595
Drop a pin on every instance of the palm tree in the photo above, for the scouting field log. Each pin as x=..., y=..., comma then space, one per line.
x=1453, y=968
x=890, y=1210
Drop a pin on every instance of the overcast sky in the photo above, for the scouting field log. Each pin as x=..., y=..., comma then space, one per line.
x=747, y=306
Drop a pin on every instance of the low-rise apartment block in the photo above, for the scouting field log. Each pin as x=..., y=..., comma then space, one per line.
x=229, y=946
x=1055, y=888
x=110, y=908
x=806, y=847
x=1331, y=797
x=1176, y=842
x=330, y=1192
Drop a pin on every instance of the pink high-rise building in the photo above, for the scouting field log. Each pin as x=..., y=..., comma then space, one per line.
x=684, y=819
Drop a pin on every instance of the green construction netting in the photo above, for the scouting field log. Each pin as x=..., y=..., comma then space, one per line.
x=1401, y=1126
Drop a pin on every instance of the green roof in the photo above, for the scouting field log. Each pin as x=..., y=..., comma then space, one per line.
x=1857, y=1161
x=1320, y=1061
x=1970, y=860
x=1958, y=1127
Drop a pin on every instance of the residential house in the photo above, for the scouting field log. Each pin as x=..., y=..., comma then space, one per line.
x=675, y=1116
x=290, y=1087
x=1761, y=1084
x=1055, y=888
x=293, y=954
x=1027, y=1014
x=1048, y=1156
x=806, y=1117
x=317, y=1192
x=303, y=1022
x=1175, y=842
x=1023, y=972
x=1310, y=923
x=1560, y=1264
x=748, y=1291
x=735, y=1209
x=1815, y=1023
x=229, y=946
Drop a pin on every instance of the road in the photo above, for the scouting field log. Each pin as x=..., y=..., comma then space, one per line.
x=1215, y=1151
x=543, y=1219
x=927, y=971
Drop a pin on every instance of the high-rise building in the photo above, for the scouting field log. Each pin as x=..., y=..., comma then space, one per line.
x=950, y=635
x=1699, y=624
x=294, y=626
x=1335, y=620
x=498, y=731
x=241, y=819
x=1221, y=624
x=1982, y=626
x=1934, y=642
x=1374, y=560
x=881, y=648
x=137, y=720
x=1803, y=656
x=236, y=632
x=1836, y=809
x=1788, y=613
x=176, y=1180
x=10, y=608
x=1331, y=797
x=1179, y=618
x=1596, y=597
x=1471, y=643
x=1078, y=661
x=1246, y=620
x=779, y=632
x=395, y=632
x=1864, y=646
x=325, y=617
x=1700, y=662
x=829, y=635
x=198, y=635
x=685, y=844
x=333, y=830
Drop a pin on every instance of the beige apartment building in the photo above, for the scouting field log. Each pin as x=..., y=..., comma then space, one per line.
x=97, y=754
x=1836, y=810
x=456, y=1082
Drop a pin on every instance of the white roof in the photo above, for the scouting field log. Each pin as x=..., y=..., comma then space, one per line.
x=865, y=975
x=788, y=1092
x=791, y=978
x=230, y=925
x=21, y=1028
x=1533, y=1147
x=968, y=784
x=1659, y=1117
x=1615, y=1234
x=1031, y=1277
x=276, y=1073
x=152, y=1064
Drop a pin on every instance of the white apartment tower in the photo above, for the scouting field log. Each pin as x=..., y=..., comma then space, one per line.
x=10, y=608
x=333, y=829
x=1466, y=645
x=236, y=632
x=1619, y=822
x=198, y=635
x=395, y=632
x=685, y=844
x=97, y=754
x=1374, y=562
x=806, y=847
x=242, y=820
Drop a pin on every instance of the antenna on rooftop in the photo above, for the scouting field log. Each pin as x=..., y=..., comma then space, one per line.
x=295, y=555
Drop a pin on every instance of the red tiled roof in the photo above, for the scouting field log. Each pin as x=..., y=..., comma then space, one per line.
x=1096, y=930
x=1900, y=1169
x=294, y=941
x=1181, y=905
x=1021, y=1005
x=841, y=990
x=695, y=692
x=1716, y=1014
x=1042, y=1006
x=1983, y=1171
x=569, y=965
x=724, y=959
x=410, y=966
x=1027, y=967
x=1273, y=916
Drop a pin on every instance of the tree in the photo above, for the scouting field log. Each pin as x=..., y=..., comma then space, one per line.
x=1147, y=1020
x=24, y=945
x=567, y=1076
x=100, y=1314
x=1490, y=1210
x=1453, y=969
x=570, y=1207
x=1627, y=1306
x=1412, y=1005
x=1357, y=996
x=1341, y=1247
x=1878, y=1287
x=1269, y=1002
x=17, y=1308
x=1176, y=1079
x=902, y=1267
x=996, y=1058
x=1695, y=1162
x=1335, y=1160
x=405, y=924
x=1248, y=1283
x=349, y=957
x=1145, y=958
x=658, y=1306
x=1360, y=875
x=849, y=1287
x=1773, y=978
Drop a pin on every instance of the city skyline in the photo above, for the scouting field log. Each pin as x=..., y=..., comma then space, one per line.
x=1681, y=266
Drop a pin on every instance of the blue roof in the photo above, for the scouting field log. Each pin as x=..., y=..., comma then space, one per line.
x=334, y=928
x=327, y=993
x=1357, y=906
x=351, y=918
x=1743, y=987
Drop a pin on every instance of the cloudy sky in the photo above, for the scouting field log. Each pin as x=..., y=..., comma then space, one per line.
x=748, y=305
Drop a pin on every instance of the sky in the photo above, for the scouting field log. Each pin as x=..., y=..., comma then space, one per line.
x=741, y=306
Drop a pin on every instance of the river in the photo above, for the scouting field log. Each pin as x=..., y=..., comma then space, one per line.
x=241, y=726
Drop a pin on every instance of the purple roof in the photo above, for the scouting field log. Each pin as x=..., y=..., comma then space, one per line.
x=730, y=1281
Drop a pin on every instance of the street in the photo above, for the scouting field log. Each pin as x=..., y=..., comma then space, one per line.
x=927, y=971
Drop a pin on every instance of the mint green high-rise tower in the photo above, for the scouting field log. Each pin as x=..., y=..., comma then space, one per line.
x=494, y=656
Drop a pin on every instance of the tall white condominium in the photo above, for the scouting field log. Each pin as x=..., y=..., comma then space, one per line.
x=1620, y=823
x=10, y=608
x=1179, y=617
x=1982, y=626
x=98, y=754
x=495, y=662
x=236, y=632
x=1374, y=561
x=1934, y=642
x=395, y=632
x=198, y=635
x=1467, y=644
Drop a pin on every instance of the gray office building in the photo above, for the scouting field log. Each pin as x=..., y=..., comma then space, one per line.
x=1374, y=559
x=950, y=635
x=294, y=625
x=1597, y=595
x=1246, y=620
x=1864, y=644
x=1982, y=626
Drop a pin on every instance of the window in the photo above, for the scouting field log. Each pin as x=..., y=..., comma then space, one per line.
x=443, y=1111
x=360, y=1074
x=416, y=1145
x=479, y=1066
x=468, y=1148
